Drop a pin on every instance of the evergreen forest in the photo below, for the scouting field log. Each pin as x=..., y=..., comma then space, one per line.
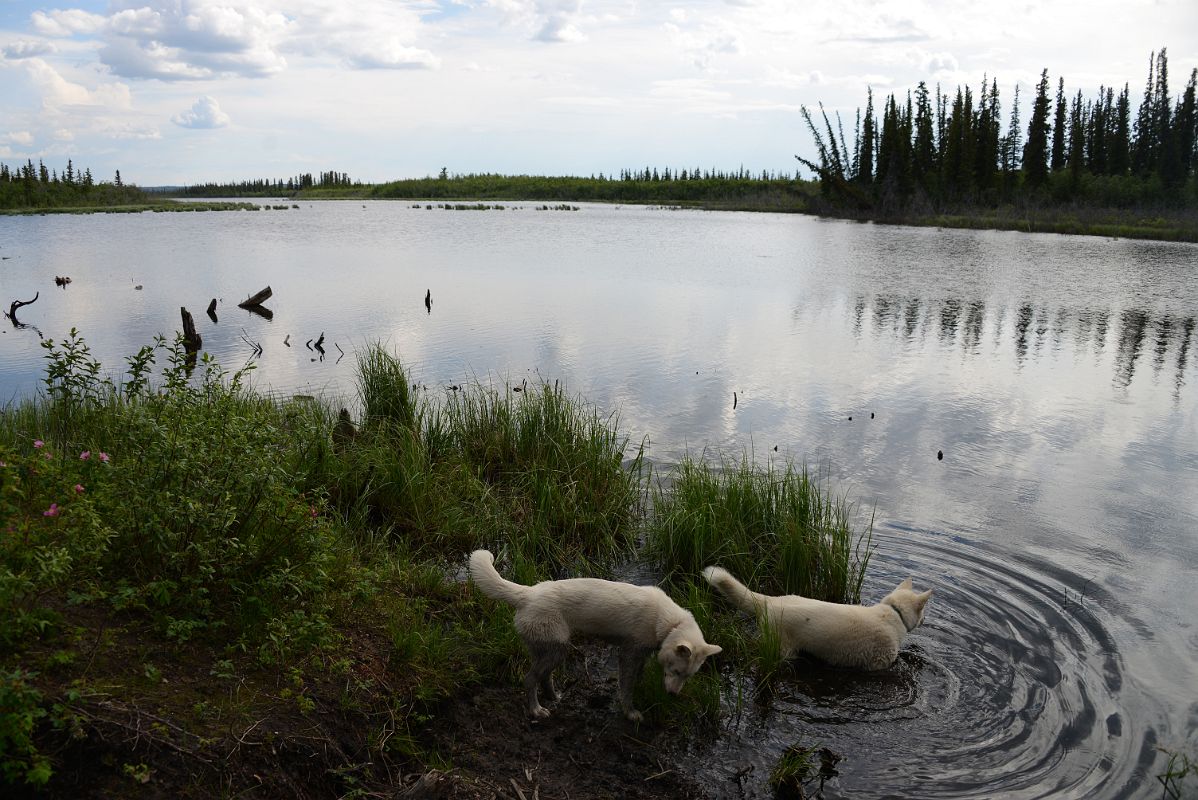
x=936, y=153
x=38, y=187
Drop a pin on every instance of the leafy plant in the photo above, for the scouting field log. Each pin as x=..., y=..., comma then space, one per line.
x=20, y=712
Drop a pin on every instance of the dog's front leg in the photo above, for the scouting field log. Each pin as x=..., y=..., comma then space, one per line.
x=632, y=659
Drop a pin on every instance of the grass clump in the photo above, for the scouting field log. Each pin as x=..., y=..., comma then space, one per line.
x=1180, y=777
x=800, y=766
x=772, y=527
x=526, y=470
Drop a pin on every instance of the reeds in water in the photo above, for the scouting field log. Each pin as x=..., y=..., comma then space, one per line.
x=772, y=526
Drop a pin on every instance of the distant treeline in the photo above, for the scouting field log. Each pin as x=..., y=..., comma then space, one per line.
x=29, y=186
x=266, y=187
x=931, y=154
x=738, y=189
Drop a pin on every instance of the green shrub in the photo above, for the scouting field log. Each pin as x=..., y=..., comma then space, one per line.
x=20, y=712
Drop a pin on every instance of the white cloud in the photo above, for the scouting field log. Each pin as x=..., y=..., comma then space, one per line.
x=24, y=138
x=63, y=135
x=57, y=91
x=391, y=54
x=124, y=129
x=27, y=49
x=67, y=22
x=559, y=28
x=704, y=42
x=204, y=113
x=546, y=20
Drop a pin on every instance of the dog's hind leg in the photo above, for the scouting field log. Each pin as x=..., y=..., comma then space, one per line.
x=632, y=660
x=545, y=658
x=548, y=690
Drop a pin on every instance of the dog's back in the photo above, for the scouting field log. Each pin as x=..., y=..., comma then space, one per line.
x=639, y=619
x=865, y=637
x=553, y=610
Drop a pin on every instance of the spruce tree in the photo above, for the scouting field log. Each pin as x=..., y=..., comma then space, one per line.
x=1012, y=146
x=1143, y=147
x=1058, y=129
x=1118, y=151
x=923, y=155
x=865, y=157
x=1035, y=152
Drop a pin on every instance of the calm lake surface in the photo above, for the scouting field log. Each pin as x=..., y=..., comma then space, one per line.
x=1056, y=374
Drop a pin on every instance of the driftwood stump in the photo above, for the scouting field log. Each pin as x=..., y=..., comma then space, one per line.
x=191, y=337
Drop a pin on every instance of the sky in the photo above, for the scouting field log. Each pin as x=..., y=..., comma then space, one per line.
x=189, y=91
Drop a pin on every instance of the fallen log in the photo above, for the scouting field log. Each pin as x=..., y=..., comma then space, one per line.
x=256, y=299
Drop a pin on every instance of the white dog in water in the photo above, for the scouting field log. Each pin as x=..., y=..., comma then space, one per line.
x=864, y=637
x=637, y=619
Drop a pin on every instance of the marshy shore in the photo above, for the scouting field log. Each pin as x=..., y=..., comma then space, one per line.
x=215, y=592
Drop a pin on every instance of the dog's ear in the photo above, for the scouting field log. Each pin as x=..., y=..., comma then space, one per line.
x=713, y=649
x=683, y=650
x=905, y=584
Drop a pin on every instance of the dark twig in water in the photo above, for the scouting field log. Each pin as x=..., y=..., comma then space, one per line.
x=257, y=348
x=12, y=309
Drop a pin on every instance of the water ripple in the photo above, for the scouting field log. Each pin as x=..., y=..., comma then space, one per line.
x=1013, y=687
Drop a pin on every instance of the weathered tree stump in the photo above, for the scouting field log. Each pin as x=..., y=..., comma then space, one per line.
x=191, y=337
x=212, y=310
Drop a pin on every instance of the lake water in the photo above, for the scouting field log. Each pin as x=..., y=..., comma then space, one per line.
x=1055, y=374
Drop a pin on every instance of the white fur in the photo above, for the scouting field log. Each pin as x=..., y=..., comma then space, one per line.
x=865, y=637
x=637, y=619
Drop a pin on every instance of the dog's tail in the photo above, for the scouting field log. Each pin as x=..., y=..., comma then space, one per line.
x=734, y=590
x=492, y=584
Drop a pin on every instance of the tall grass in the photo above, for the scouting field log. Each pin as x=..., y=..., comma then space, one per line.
x=773, y=527
x=526, y=470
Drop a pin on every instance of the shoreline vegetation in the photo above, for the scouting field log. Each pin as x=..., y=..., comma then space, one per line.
x=211, y=591
x=1083, y=165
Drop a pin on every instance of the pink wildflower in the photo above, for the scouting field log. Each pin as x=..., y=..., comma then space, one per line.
x=79, y=488
x=85, y=455
x=52, y=511
x=104, y=457
x=312, y=510
x=38, y=443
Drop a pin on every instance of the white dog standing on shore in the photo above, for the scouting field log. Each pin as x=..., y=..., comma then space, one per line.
x=637, y=619
x=864, y=637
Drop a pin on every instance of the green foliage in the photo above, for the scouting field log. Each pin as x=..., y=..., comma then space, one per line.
x=220, y=525
x=771, y=527
x=21, y=711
